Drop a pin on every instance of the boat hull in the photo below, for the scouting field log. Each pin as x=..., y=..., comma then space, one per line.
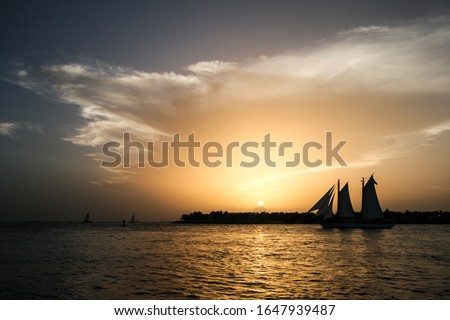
x=357, y=225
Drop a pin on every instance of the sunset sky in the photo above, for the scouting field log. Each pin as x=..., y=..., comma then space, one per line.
x=74, y=76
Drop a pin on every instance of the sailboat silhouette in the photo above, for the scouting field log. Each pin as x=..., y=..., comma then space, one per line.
x=86, y=219
x=132, y=220
x=372, y=216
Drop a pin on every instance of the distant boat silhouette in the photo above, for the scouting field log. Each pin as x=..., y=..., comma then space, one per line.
x=132, y=220
x=345, y=218
x=86, y=219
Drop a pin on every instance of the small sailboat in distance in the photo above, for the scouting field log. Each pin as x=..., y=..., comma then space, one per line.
x=371, y=216
x=132, y=219
x=86, y=219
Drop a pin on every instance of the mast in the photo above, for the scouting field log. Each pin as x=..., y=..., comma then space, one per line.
x=362, y=193
x=338, y=200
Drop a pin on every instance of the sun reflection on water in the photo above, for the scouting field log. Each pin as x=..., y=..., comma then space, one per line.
x=225, y=262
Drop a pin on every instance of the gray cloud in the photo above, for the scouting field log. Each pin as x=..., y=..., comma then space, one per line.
x=114, y=100
x=404, y=144
x=407, y=57
x=14, y=129
x=8, y=129
x=410, y=57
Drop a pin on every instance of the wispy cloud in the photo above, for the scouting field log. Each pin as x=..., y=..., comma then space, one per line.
x=407, y=57
x=14, y=129
x=8, y=129
x=395, y=146
x=114, y=100
x=210, y=68
x=444, y=189
x=404, y=144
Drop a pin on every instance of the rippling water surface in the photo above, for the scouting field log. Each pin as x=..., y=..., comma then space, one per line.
x=167, y=261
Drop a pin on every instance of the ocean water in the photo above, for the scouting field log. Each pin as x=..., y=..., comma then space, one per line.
x=171, y=261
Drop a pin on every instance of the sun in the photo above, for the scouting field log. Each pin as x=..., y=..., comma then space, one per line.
x=260, y=203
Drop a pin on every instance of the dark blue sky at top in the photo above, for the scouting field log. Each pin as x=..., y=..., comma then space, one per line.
x=166, y=35
x=41, y=173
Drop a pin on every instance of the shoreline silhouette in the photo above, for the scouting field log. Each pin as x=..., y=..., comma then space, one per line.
x=225, y=217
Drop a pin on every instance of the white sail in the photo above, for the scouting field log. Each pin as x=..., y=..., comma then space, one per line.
x=370, y=205
x=345, y=208
x=322, y=204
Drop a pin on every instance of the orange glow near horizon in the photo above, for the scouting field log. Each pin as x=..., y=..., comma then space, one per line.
x=299, y=119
